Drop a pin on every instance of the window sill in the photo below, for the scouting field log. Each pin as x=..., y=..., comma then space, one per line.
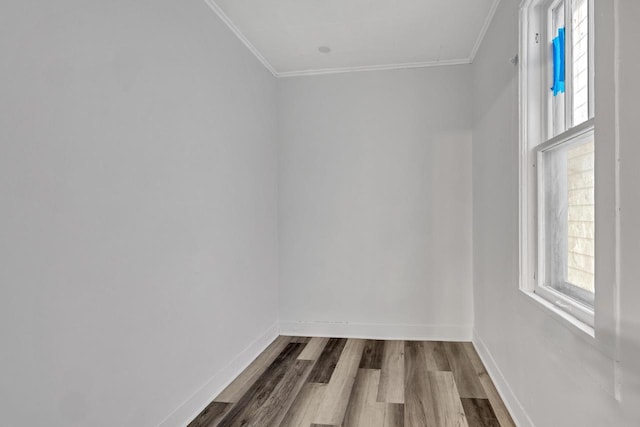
x=575, y=325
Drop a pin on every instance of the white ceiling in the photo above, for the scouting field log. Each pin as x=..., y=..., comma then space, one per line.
x=362, y=34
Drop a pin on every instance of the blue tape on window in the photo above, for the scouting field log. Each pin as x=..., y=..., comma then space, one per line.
x=558, y=63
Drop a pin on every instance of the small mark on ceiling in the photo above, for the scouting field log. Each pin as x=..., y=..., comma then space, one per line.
x=324, y=49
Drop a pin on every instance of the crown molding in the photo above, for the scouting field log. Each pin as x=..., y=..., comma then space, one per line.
x=382, y=67
x=483, y=31
x=223, y=16
x=314, y=72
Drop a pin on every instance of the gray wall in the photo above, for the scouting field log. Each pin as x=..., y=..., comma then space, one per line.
x=138, y=225
x=551, y=375
x=375, y=203
x=629, y=93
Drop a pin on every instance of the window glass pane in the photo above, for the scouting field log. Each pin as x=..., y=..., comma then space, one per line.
x=568, y=206
x=580, y=216
x=580, y=61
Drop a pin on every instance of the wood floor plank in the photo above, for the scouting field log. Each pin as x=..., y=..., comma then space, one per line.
x=299, y=340
x=419, y=407
x=497, y=404
x=372, y=355
x=248, y=377
x=334, y=404
x=248, y=406
x=436, y=356
x=448, y=407
x=274, y=409
x=313, y=349
x=364, y=410
x=477, y=422
x=211, y=415
x=465, y=375
x=391, y=388
x=328, y=360
x=394, y=415
x=479, y=413
x=305, y=407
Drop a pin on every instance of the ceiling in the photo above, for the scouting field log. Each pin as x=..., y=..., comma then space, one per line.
x=288, y=36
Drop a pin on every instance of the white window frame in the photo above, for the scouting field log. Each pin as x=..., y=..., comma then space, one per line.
x=604, y=335
x=545, y=40
x=536, y=137
x=564, y=301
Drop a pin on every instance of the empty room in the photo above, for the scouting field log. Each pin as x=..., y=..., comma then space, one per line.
x=320, y=213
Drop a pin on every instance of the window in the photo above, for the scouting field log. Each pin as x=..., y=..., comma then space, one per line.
x=559, y=155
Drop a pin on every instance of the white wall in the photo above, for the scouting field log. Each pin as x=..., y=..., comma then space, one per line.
x=629, y=93
x=375, y=203
x=138, y=209
x=550, y=374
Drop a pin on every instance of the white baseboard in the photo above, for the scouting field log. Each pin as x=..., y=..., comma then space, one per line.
x=201, y=398
x=377, y=331
x=509, y=398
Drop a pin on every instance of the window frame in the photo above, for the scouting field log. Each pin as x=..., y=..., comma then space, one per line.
x=545, y=317
x=546, y=36
x=536, y=124
x=568, y=301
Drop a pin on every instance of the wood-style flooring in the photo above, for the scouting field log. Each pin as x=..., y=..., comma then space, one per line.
x=324, y=382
